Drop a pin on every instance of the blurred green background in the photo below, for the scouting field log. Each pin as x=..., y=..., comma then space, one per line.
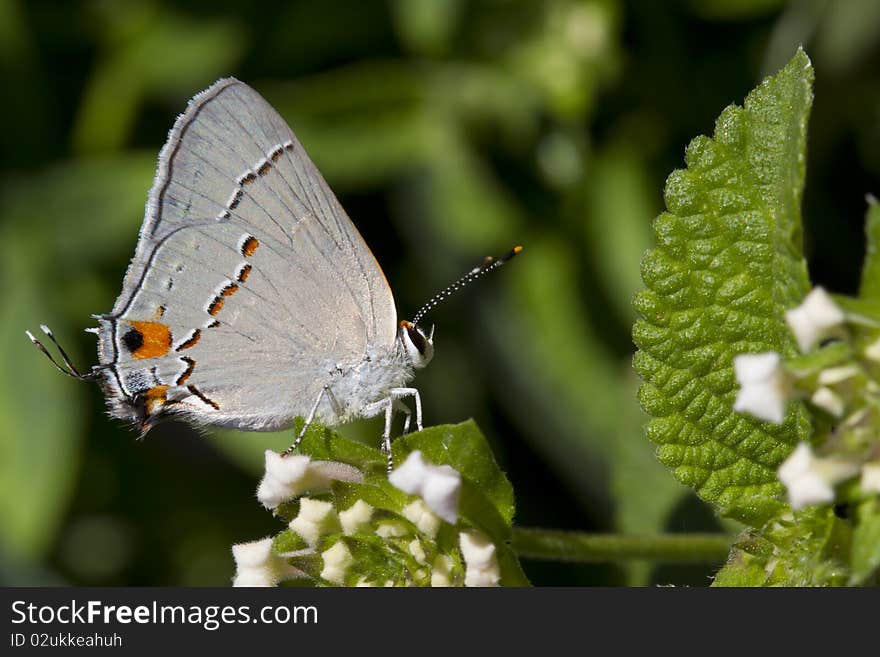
x=450, y=130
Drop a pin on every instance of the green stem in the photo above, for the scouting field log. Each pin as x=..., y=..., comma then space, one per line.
x=555, y=545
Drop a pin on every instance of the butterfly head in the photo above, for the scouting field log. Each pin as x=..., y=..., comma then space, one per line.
x=418, y=345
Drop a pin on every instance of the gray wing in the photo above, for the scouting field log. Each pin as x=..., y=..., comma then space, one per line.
x=249, y=282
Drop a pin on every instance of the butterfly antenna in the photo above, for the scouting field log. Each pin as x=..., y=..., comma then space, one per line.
x=488, y=264
x=70, y=370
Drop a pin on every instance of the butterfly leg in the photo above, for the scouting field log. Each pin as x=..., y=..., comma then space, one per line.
x=311, y=416
x=387, y=406
x=403, y=408
x=399, y=393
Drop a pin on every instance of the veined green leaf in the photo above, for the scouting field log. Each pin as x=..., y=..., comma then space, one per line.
x=727, y=266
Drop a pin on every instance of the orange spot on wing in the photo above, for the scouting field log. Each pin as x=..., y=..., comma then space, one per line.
x=156, y=339
x=249, y=246
x=244, y=273
x=216, y=305
x=155, y=396
x=230, y=289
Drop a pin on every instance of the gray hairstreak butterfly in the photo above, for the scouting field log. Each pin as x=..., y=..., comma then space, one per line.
x=252, y=300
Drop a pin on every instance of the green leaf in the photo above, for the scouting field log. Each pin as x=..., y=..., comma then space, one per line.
x=865, y=555
x=727, y=265
x=511, y=571
x=324, y=444
x=869, y=289
x=379, y=496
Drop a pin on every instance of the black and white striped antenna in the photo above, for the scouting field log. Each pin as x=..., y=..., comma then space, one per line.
x=489, y=264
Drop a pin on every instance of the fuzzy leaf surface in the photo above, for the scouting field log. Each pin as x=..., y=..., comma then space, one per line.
x=727, y=265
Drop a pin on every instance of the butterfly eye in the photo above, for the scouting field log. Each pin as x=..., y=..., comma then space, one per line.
x=417, y=338
x=419, y=347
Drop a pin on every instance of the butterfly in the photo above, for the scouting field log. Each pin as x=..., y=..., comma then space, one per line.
x=251, y=299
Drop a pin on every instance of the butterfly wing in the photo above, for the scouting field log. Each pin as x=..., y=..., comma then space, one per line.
x=249, y=284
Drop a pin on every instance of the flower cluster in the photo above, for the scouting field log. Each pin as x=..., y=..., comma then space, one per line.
x=346, y=527
x=837, y=376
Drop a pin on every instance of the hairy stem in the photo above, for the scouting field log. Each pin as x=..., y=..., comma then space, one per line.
x=555, y=545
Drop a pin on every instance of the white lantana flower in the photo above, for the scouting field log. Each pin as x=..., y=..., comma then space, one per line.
x=834, y=375
x=337, y=560
x=872, y=351
x=441, y=571
x=257, y=565
x=289, y=476
x=438, y=485
x=416, y=549
x=391, y=529
x=316, y=518
x=810, y=479
x=481, y=562
x=828, y=400
x=764, y=386
x=355, y=517
x=816, y=318
x=870, y=480
x=420, y=515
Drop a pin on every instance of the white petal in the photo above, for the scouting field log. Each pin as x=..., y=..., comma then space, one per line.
x=870, y=481
x=763, y=383
x=391, y=529
x=761, y=401
x=481, y=564
x=441, y=571
x=808, y=490
x=827, y=400
x=420, y=515
x=438, y=485
x=417, y=551
x=809, y=479
x=316, y=518
x=756, y=368
x=834, y=375
x=872, y=351
x=355, y=517
x=411, y=474
x=257, y=565
x=441, y=492
x=286, y=469
x=337, y=560
x=253, y=554
x=288, y=477
x=816, y=318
